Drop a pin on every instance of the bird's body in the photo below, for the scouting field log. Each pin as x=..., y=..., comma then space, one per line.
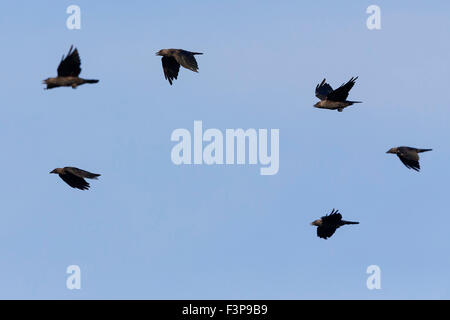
x=334, y=99
x=74, y=177
x=327, y=225
x=408, y=156
x=73, y=82
x=173, y=58
x=68, y=72
x=333, y=105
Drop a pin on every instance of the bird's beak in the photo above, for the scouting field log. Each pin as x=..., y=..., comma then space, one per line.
x=157, y=53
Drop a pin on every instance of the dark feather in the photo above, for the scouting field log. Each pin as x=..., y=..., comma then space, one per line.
x=70, y=65
x=341, y=93
x=409, y=163
x=323, y=90
x=81, y=173
x=187, y=59
x=74, y=181
x=170, y=67
x=325, y=232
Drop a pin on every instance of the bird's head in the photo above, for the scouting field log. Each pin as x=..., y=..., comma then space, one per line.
x=392, y=150
x=161, y=52
x=317, y=222
x=57, y=170
x=317, y=105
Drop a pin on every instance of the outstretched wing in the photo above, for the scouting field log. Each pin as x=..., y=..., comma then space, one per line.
x=81, y=173
x=74, y=181
x=323, y=90
x=332, y=219
x=341, y=93
x=187, y=59
x=409, y=162
x=170, y=68
x=70, y=65
x=325, y=231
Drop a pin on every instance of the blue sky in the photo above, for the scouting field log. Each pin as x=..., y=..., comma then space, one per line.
x=148, y=229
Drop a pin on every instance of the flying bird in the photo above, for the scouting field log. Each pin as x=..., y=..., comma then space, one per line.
x=68, y=72
x=334, y=99
x=74, y=177
x=173, y=58
x=408, y=156
x=327, y=225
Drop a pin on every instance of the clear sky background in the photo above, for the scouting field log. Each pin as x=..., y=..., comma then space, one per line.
x=148, y=229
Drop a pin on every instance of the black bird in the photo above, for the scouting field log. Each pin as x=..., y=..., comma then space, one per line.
x=327, y=225
x=74, y=177
x=68, y=72
x=409, y=156
x=173, y=58
x=334, y=99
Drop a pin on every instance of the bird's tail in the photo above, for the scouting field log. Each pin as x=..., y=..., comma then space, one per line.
x=194, y=53
x=349, y=222
x=93, y=175
x=90, y=81
x=423, y=150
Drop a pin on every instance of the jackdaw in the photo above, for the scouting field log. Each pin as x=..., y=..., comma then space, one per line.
x=74, y=177
x=334, y=99
x=173, y=58
x=409, y=156
x=68, y=72
x=327, y=225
